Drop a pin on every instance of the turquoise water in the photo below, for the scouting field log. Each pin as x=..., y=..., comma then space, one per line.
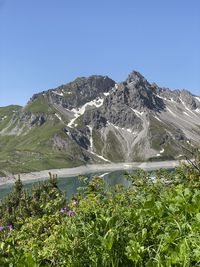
x=70, y=184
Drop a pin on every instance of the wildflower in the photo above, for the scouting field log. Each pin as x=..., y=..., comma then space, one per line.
x=71, y=212
x=1, y=228
x=62, y=210
x=10, y=227
x=65, y=209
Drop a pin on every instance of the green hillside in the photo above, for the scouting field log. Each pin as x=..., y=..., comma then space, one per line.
x=32, y=149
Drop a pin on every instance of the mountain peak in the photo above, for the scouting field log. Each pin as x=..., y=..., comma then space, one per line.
x=136, y=77
x=93, y=119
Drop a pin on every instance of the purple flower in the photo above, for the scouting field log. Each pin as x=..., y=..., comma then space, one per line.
x=1, y=228
x=10, y=227
x=65, y=209
x=71, y=212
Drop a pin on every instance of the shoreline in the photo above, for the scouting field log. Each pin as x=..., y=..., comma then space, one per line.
x=86, y=169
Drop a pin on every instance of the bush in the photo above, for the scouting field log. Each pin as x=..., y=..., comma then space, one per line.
x=153, y=222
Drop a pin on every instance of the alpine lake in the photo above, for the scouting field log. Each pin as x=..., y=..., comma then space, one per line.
x=71, y=184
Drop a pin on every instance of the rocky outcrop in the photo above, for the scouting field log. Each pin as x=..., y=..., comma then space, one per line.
x=78, y=92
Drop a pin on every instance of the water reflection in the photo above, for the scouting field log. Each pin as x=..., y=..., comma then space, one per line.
x=71, y=184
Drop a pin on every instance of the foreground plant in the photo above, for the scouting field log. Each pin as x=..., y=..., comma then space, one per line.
x=153, y=222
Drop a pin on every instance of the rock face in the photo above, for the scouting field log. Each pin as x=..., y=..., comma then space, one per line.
x=78, y=92
x=96, y=120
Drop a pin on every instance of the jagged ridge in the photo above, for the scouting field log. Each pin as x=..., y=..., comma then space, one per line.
x=96, y=120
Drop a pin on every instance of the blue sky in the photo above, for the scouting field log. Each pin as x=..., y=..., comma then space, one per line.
x=45, y=43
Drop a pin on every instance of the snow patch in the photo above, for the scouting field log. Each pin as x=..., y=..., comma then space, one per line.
x=162, y=150
x=68, y=133
x=60, y=94
x=157, y=118
x=197, y=110
x=164, y=98
x=197, y=98
x=189, y=143
x=91, y=146
x=76, y=115
x=121, y=128
x=187, y=114
x=101, y=157
x=171, y=112
x=98, y=102
x=58, y=116
x=185, y=105
x=191, y=112
x=4, y=118
x=104, y=174
x=139, y=114
x=91, y=139
x=106, y=94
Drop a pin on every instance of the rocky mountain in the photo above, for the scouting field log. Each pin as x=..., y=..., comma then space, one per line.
x=95, y=119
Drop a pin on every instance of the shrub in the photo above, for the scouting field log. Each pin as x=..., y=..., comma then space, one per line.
x=153, y=222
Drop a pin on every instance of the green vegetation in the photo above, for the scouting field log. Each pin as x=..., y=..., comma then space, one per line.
x=28, y=143
x=36, y=151
x=6, y=114
x=153, y=222
x=98, y=142
x=40, y=105
x=115, y=153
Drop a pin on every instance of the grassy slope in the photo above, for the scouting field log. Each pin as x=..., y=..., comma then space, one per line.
x=34, y=151
x=6, y=114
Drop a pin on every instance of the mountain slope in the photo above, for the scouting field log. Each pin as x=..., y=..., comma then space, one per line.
x=96, y=120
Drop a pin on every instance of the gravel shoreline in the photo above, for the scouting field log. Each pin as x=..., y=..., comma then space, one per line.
x=81, y=170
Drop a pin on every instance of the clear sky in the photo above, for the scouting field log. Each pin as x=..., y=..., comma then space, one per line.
x=46, y=43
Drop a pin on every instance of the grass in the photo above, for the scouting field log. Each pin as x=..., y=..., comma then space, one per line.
x=35, y=151
x=28, y=162
x=40, y=105
x=114, y=153
x=6, y=114
x=9, y=109
x=98, y=142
